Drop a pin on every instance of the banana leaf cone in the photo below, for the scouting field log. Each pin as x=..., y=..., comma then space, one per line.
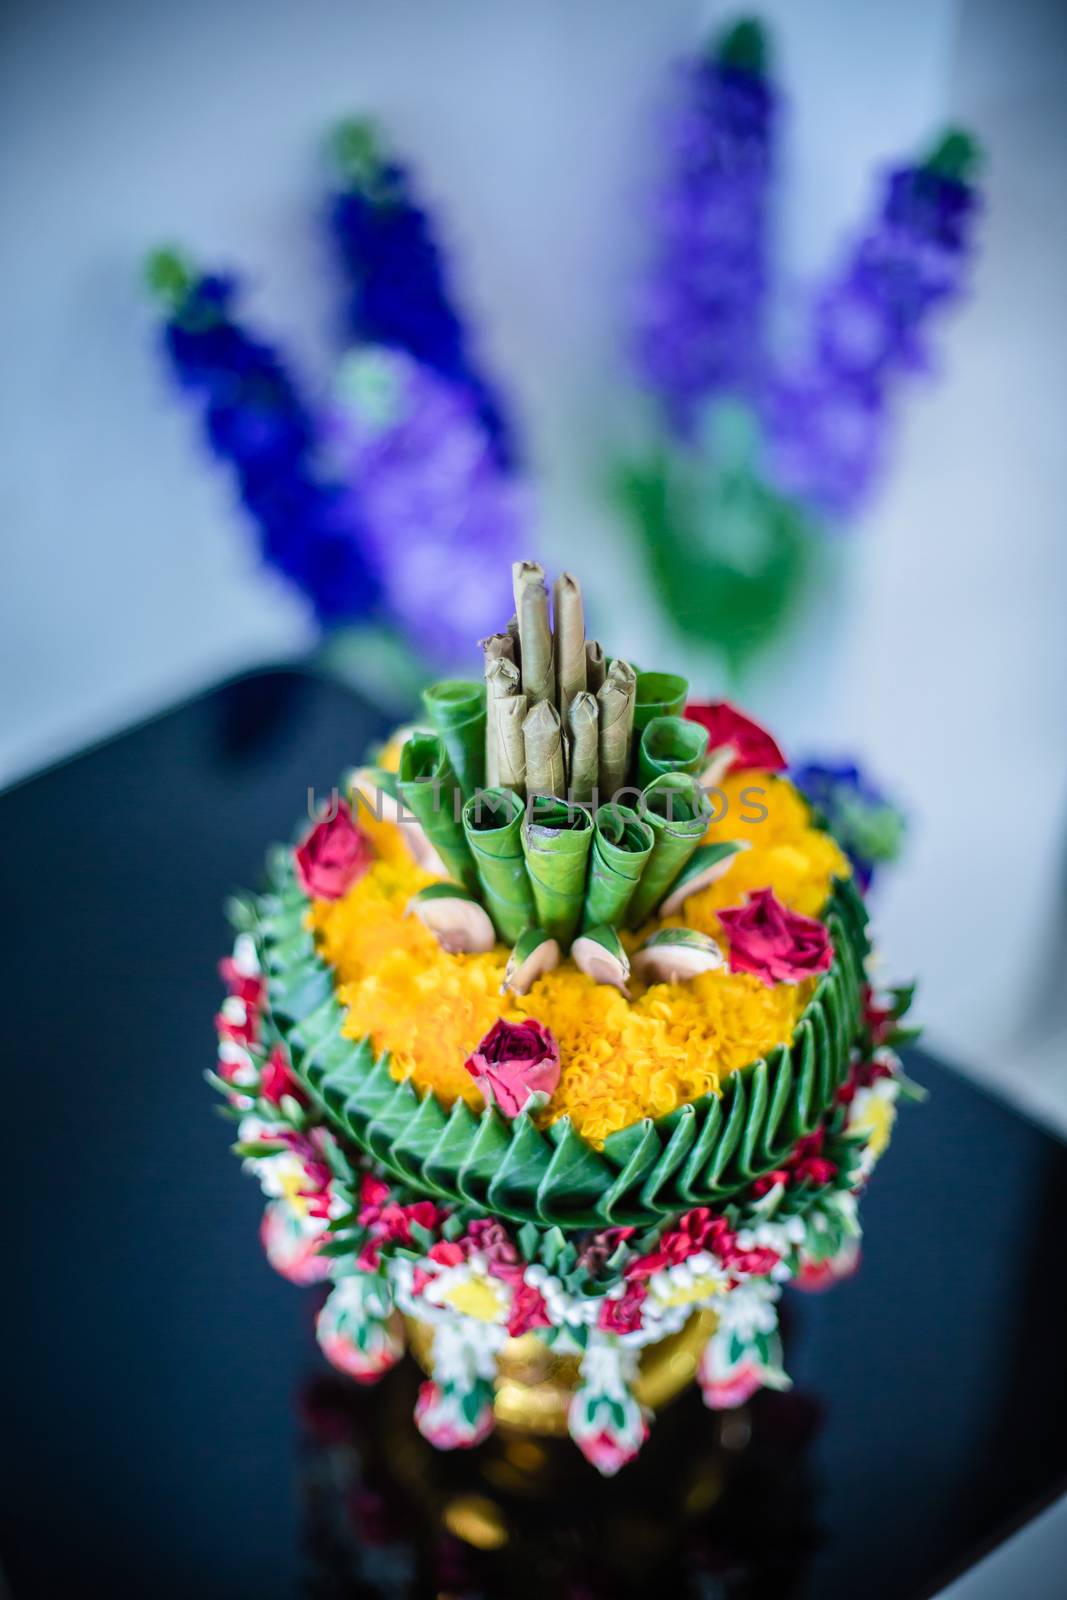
x=556, y=838
x=622, y=844
x=456, y=708
x=659, y=694
x=492, y=823
x=676, y=809
x=427, y=785
x=670, y=744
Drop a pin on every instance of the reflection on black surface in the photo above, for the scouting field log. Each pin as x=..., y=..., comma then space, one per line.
x=152, y=1358
x=715, y=1505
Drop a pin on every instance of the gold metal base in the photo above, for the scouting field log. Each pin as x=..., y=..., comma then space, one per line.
x=535, y=1384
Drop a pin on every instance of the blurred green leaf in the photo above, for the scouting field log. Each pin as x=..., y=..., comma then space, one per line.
x=729, y=559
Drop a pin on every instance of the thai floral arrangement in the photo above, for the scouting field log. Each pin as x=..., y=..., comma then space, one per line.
x=764, y=446
x=387, y=498
x=553, y=1046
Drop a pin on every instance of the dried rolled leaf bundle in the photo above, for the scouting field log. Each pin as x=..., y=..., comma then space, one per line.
x=583, y=727
x=501, y=683
x=509, y=715
x=616, y=702
x=595, y=666
x=535, y=636
x=543, y=740
x=569, y=620
x=498, y=647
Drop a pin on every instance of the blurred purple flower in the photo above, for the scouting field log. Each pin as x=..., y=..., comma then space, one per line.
x=398, y=289
x=827, y=418
x=443, y=521
x=700, y=313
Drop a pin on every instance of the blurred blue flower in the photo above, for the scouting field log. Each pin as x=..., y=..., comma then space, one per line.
x=867, y=826
x=699, y=322
x=398, y=291
x=255, y=420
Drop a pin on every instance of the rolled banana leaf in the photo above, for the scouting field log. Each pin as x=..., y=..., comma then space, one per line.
x=615, y=699
x=542, y=738
x=622, y=844
x=569, y=623
x=456, y=709
x=536, y=658
x=427, y=785
x=582, y=728
x=509, y=715
x=676, y=809
x=670, y=744
x=556, y=839
x=595, y=668
x=492, y=822
x=659, y=694
x=501, y=683
x=498, y=647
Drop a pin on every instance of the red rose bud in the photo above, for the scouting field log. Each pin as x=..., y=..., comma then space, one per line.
x=729, y=728
x=332, y=856
x=516, y=1066
x=773, y=943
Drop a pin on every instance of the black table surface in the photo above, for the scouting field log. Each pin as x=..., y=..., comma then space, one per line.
x=159, y=1377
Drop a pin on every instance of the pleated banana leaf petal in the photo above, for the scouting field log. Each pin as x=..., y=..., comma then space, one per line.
x=704, y=1153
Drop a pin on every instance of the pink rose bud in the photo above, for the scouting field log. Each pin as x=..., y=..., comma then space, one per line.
x=777, y=945
x=332, y=856
x=516, y=1066
x=752, y=745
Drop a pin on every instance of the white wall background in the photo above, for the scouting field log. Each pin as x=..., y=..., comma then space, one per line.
x=126, y=579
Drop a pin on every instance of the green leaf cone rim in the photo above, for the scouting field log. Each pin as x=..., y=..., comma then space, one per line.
x=702, y=1153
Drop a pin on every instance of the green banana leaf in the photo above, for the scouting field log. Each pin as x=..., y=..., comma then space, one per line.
x=427, y=785
x=456, y=707
x=670, y=744
x=492, y=822
x=622, y=844
x=676, y=809
x=732, y=563
x=556, y=838
x=659, y=694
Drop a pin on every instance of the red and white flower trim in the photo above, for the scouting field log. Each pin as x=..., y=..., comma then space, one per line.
x=744, y=1353
x=356, y=1329
x=291, y=1246
x=605, y=1420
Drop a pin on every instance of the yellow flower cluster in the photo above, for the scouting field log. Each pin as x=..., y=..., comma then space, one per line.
x=619, y=1059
